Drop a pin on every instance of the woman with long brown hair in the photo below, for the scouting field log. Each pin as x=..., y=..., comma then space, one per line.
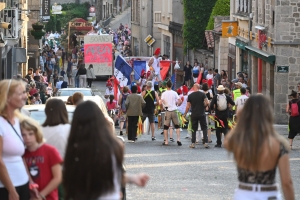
x=94, y=157
x=56, y=127
x=258, y=150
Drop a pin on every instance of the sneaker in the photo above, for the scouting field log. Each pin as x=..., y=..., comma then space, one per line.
x=171, y=139
x=218, y=145
x=180, y=129
x=179, y=143
x=192, y=145
x=121, y=132
x=206, y=145
x=153, y=138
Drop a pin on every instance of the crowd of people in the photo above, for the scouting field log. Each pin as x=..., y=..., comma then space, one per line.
x=34, y=155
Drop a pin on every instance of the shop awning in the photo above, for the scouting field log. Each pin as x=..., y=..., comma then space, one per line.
x=261, y=54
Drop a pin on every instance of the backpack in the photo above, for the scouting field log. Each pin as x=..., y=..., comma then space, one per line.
x=294, y=109
x=221, y=102
x=123, y=107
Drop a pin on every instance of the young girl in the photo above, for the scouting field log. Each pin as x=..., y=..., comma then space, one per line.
x=111, y=105
x=43, y=161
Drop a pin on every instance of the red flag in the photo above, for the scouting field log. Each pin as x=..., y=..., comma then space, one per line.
x=116, y=89
x=164, y=65
x=199, y=77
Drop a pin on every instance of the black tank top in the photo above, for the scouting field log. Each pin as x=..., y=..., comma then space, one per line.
x=149, y=99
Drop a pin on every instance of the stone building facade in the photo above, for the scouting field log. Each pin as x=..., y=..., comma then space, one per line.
x=276, y=65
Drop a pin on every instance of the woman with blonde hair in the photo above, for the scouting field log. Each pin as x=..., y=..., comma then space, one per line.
x=43, y=161
x=258, y=150
x=14, y=180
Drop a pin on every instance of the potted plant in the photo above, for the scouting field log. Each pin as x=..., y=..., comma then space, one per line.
x=37, y=34
x=38, y=26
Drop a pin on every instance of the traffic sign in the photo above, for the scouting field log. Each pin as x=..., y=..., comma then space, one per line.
x=149, y=40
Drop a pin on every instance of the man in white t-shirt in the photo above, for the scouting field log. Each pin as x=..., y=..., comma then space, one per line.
x=109, y=89
x=154, y=64
x=240, y=101
x=170, y=101
x=210, y=74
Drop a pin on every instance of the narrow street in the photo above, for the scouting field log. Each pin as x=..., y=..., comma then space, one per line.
x=183, y=173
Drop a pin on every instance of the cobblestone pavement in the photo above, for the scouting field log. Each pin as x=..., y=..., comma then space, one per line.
x=183, y=173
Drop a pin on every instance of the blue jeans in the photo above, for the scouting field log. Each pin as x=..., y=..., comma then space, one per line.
x=77, y=82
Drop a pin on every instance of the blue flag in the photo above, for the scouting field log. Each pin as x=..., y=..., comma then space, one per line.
x=139, y=66
x=173, y=81
x=124, y=68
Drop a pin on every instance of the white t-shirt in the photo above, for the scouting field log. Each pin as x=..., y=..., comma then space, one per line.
x=182, y=107
x=240, y=101
x=57, y=136
x=12, y=152
x=109, y=92
x=170, y=98
x=209, y=76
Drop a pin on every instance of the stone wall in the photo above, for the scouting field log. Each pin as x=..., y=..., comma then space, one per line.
x=285, y=34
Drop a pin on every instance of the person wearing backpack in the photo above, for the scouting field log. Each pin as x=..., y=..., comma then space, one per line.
x=293, y=108
x=148, y=111
x=122, y=100
x=219, y=104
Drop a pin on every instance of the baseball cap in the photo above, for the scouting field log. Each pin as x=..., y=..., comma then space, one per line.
x=239, y=84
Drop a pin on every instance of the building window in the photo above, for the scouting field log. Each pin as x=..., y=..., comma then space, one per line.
x=244, y=61
x=167, y=45
x=169, y=6
x=135, y=11
x=157, y=17
x=136, y=45
x=242, y=6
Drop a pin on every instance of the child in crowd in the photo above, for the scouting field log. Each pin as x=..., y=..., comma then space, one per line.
x=37, y=98
x=62, y=72
x=43, y=161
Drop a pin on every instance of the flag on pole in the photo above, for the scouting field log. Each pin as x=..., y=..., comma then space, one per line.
x=123, y=67
x=138, y=66
x=116, y=89
x=199, y=77
x=164, y=65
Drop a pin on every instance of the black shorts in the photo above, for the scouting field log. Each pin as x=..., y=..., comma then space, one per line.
x=150, y=117
x=22, y=190
x=195, y=75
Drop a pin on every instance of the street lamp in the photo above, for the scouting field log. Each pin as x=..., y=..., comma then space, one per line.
x=176, y=67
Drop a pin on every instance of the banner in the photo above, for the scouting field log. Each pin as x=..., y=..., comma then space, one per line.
x=124, y=68
x=164, y=65
x=95, y=53
x=98, y=52
x=138, y=66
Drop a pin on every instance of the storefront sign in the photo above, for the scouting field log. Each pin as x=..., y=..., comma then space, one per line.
x=283, y=69
x=46, y=8
x=229, y=28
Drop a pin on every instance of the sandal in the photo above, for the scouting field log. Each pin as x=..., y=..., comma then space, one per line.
x=179, y=143
x=164, y=144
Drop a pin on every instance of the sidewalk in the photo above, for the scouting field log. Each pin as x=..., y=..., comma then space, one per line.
x=115, y=21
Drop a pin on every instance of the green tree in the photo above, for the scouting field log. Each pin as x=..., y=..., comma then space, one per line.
x=69, y=12
x=221, y=8
x=196, y=14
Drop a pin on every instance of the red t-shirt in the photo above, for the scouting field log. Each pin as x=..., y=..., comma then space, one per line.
x=111, y=106
x=39, y=165
x=32, y=91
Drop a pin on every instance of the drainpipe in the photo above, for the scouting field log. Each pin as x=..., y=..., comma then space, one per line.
x=259, y=70
x=214, y=49
x=249, y=29
x=151, y=26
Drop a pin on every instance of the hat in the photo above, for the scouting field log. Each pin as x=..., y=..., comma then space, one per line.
x=157, y=51
x=185, y=89
x=108, y=83
x=149, y=83
x=164, y=83
x=143, y=72
x=239, y=84
x=220, y=88
x=293, y=94
x=179, y=91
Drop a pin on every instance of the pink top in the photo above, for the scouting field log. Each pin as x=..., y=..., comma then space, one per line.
x=111, y=106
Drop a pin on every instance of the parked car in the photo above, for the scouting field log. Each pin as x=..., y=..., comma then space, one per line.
x=70, y=91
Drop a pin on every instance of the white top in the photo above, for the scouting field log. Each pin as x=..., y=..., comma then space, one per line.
x=58, y=84
x=209, y=76
x=240, y=102
x=12, y=152
x=57, y=136
x=155, y=65
x=90, y=73
x=182, y=107
x=115, y=195
x=109, y=92
x=169, y=98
